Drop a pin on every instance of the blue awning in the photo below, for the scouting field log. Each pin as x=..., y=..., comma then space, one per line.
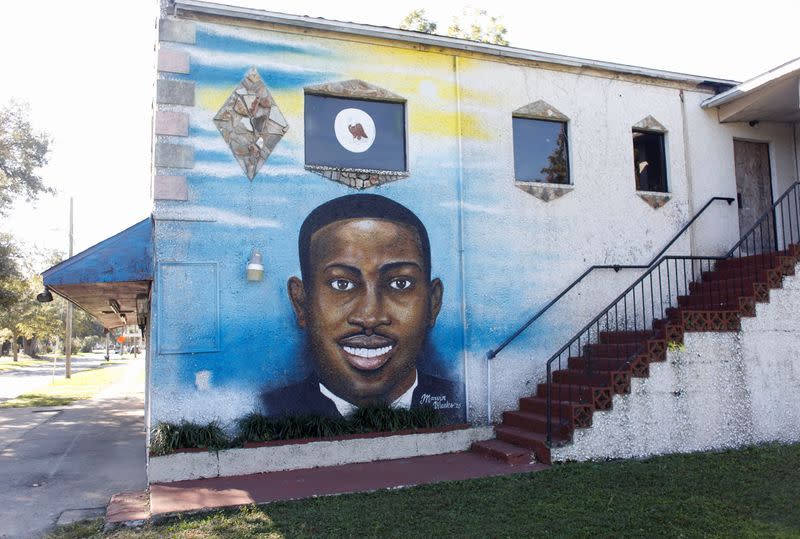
x=118, y=268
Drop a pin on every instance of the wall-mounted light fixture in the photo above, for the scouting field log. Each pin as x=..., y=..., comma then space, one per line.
x=114, y=304
x=142, y=310
x=116, y=309
x=255, y=267
x=44, y=297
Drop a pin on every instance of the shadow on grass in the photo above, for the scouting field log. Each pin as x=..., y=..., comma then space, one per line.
x=37, y=400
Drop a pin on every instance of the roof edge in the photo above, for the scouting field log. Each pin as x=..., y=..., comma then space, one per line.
x=756, y=83
x=222, y=10
x=89, y=250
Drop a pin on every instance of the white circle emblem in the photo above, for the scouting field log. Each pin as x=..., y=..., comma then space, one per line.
x=354, y=130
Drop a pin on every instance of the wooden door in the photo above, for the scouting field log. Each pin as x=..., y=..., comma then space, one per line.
x=754, y=193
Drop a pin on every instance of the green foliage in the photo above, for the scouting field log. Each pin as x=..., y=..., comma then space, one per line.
x=417, y=21
x=372, y=418
x=87, y=344
x=473, y=24
x=557, y=171
x=37, y=400
x=383, y=418
x=478, y=25
x=22, y=152
x=167, y=437
x=9, y=271
x=254, y=427
x=82, y=529
x=675, y=346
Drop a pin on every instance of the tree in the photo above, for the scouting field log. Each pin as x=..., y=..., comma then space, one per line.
x=22, y=152
x=29, y=319
x=473, y=24
x=417, y=21
x=8, y=270
x=556, y=170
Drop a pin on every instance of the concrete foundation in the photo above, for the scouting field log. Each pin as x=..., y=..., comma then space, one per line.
x=297, y=456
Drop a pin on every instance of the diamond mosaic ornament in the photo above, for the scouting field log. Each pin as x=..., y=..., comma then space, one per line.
x=251, y=123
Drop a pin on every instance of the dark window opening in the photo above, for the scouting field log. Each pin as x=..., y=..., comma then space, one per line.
x=354, y=133
x=649, y=161
x=540, y=151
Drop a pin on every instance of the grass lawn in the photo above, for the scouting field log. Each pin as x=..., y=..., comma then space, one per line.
x=63, y=391
x=8, y=363
x=753, y=492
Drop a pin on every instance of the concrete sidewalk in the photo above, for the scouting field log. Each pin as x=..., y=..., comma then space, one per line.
x=58, y=462
x=205, y=494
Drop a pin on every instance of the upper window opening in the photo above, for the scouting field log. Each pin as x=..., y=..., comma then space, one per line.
x=354, y=133
x=649, y=161
x=540, y=150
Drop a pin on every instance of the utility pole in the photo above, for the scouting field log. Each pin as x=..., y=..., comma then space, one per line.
x=68, y=342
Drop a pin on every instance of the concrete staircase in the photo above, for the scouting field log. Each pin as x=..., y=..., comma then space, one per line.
x=716, y=302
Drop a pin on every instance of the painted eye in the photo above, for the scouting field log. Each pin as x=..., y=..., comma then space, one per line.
x=342, y=285
x=401, y=283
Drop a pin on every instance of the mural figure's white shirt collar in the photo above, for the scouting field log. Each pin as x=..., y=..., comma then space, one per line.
x=345, y=408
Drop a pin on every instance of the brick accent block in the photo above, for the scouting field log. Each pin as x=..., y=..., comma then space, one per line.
x=173, y=92
x=176, y=31
x=172, y=123
x=170, y=187
x=171, y=61
x=174, y=156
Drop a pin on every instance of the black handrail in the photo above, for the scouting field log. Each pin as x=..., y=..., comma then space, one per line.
x=764, y=217
x=674, y=290
x=491, y=354
x=687, y=225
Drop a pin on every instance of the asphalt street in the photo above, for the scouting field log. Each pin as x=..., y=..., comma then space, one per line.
x=55, y=461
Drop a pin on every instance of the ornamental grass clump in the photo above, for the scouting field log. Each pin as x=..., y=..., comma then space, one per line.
x=167, y=437
x=255, y=427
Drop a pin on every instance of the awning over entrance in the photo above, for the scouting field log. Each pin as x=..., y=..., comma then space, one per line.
x=105, y=279
x=771, y=97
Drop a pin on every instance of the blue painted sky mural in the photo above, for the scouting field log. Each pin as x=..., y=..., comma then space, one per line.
x=228, y=216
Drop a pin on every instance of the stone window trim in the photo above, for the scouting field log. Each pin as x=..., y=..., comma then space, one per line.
x=354, y=89
x=545, y=191
x=655, y=199
x=359, y=178
x=541, y=110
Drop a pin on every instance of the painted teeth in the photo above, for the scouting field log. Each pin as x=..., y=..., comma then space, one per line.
x=367, y=352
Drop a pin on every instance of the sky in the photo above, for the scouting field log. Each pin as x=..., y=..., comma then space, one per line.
x=86, y=69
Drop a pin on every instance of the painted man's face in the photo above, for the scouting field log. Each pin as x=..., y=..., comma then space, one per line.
x=366, y=308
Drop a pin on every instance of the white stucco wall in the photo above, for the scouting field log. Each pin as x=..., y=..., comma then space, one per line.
x=602, y=221
x=504, y=252
x=724, y=390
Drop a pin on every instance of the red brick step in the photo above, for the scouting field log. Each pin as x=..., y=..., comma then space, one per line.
x=531, y=440
x=503, y=451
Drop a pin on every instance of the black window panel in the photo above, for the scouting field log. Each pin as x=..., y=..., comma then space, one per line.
x=649, y=161
x=388, y=151
x=540, y=151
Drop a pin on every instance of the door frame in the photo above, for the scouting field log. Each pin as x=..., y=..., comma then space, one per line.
x=772, y=179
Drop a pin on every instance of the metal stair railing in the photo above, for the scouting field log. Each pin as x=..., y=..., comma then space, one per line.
x=491, y=354
x=705, y=289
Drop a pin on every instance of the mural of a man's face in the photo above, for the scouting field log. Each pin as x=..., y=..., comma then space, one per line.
x=367, y=305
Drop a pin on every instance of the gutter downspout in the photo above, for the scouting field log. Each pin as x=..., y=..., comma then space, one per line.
x=461, y=268
x=687, y=159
